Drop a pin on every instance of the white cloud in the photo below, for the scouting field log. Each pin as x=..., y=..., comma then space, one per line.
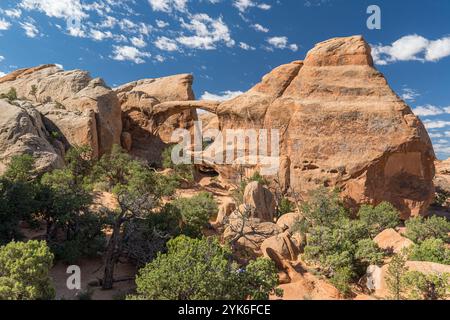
x=168, y=5
x=281, y=43
x=160, y=58
x=127, y=53
x=409, y=94
x=428, y=110
x=166, y=44
x=223, y=96
x=207, y=33
x=4, y=25
x=2, y=58
x=66, y=9
x=410, y=48
x=31, y=30
x=100, y=35
x=278, y=42
x=435, y=135
x=260, y=28
x=438, y=49
x=13, y=13
x=138, y=42
x=430, y=124
x=2, y=74
x=243, y=5
x=443, y=148
x=162, y=24
x=293, y=47
x=246, y=46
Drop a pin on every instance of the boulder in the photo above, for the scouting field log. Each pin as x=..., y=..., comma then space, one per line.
x=227, y=207
x=282, y=245
x=23, y=132
x=392, y=241
x=75, y=91
x=249, y=233
x=340, y=125
x=261, y=199
x=288, y=220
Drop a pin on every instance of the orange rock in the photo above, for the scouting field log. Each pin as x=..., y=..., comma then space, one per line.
x=391, y=240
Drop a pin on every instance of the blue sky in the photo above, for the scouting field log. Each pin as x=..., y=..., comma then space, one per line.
x=230, y=44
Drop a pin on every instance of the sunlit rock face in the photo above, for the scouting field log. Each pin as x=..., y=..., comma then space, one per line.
x=341, y=125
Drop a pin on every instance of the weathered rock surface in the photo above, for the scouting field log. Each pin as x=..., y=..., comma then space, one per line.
x=392, y=241
x=342, y=126
x=227, y=207
x=261, y=199
x=282, y=245
x=23, y=132
x=442, y=178
x=74, y=91
x=249, y=234
x=75, y=128
x=288, y=220
x=149, y=126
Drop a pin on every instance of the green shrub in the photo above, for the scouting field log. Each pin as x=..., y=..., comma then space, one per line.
x=196, y=212
x=379, y=218
x=285, y=206
x=10, y=96
x=195, y=269
x=24, y=271
x=432, y=250
x=419, y=229
x=341, y=247
x=420, y=286
x=182, y=171
x=341, y=279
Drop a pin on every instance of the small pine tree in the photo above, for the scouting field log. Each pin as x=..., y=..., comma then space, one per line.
x=395, y=273
x=33, y=92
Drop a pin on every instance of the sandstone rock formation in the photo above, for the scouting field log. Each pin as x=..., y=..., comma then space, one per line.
x=261, y=200
x=340, y=125
x=442, y=178
x=225, y=210
x=23, y=132
x=282, y=245
x=248, y=234
x=392, y=241
x=288, y=220
x=76, y=92
x=148, y=132
x=75, y=128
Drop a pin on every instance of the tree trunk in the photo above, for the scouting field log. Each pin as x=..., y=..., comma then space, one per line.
x=111, y=256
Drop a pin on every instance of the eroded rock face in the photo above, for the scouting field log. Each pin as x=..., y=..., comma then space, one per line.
x=75, y=128
x=341, y=126
x=23, y=132
x=261, y=200
x=150, y=132
x=74, y=91
x=282, y=245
